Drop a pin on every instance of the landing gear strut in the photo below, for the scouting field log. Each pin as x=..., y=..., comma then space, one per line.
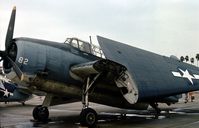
x=40, y=113
x=88, y=116
x=155, y=106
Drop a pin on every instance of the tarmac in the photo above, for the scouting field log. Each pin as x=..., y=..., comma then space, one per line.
x=180, y=115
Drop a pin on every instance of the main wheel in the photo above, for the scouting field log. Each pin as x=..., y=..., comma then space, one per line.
x=40, y=113
x=88, y=117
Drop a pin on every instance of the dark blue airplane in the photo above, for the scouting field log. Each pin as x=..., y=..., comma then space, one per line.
x=124, y=77
x=10, y=92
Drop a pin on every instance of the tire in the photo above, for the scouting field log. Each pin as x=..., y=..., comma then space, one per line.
x=35, y=112
x=40, y=113
x=88, y=117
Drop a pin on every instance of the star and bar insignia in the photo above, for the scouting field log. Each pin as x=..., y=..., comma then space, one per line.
x=186, y=74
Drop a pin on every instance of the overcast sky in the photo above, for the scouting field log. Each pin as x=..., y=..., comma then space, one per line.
x=166, y=27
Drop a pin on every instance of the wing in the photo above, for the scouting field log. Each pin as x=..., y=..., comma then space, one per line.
x=151, y=72
x=115, y=72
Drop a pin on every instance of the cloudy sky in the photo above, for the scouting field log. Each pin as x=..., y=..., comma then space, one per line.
x=167, y=27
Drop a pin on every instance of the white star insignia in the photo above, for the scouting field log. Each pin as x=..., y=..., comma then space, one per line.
x=186, y=74
x=6, y=93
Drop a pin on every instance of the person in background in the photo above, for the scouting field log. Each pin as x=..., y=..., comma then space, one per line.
x=191, y=95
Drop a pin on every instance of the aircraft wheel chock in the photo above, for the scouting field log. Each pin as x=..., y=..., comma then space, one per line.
x=40, y=113
x=88, y=117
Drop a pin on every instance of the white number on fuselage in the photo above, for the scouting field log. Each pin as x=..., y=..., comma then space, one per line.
x=22, y=60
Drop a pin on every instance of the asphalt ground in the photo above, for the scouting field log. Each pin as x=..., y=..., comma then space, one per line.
x=180, y=115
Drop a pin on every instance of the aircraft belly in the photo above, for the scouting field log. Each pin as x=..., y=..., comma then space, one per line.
x=109, y=96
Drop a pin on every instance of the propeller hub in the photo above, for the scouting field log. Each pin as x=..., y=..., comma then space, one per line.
x=12, y=51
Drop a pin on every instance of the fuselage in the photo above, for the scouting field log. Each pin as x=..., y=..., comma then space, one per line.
x=47, y=65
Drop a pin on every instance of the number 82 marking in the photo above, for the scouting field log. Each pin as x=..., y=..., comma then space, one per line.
x=22, y=60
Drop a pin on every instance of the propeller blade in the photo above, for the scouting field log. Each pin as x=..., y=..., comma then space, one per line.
x=2, y=54
x=16, y=69
x=10, y=30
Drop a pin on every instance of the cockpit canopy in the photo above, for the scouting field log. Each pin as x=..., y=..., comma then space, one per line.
x=85, y=46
